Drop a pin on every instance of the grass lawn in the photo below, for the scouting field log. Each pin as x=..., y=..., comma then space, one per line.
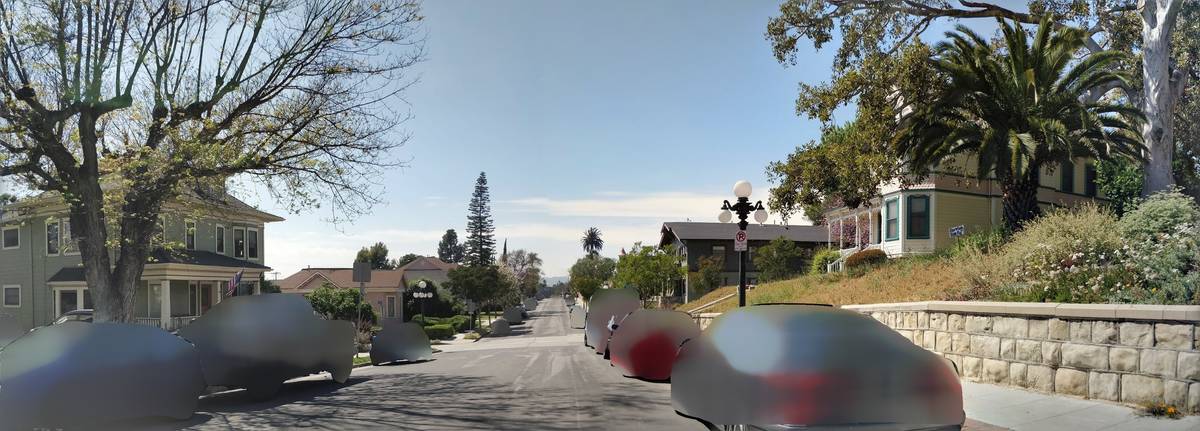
x=900, y=280
x=362, y=360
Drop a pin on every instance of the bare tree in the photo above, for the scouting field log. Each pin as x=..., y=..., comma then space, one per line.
x=120, y=106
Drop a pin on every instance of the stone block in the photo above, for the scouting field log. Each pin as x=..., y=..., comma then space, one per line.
x=1123, y=359
x=930, y=339
x=1029, y=350
x=1071, y=382
x=1104, y=386
x=1193, y=403
x=1057, y=329
x=957, y=323
x=979, y=324
x=1039, y=377
x=907, y=334
x=1038, y=328
x=1136, y=334
x=942, y=342
x=1160, y=362
x=1175, y=393
x=1105, y=333
x=1014, y=327
x=1051, y=353
x=922, y=319
x=995, y=371
x=1168, y=336
x=961, y=342
x=1008, y=349
x=972, y=367
x=1016, y=374
x=937, y=321
x=985, y=346
x=1081, y=331
x=1138, y=389
x=1085, y=356
x=1189, y=366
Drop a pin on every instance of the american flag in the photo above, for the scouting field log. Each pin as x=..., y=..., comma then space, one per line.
x=233, y=284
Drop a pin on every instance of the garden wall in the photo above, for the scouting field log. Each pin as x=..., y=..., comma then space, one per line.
x=1137, y=354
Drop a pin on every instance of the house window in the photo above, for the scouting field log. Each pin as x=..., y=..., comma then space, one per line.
x=391, y=306
x=12, y=237
x=1067, y=177
x=68, y=238
x=189, y=234
x=1089, y=180
x=12, y=295
x=239, y=242
x=252, y=244
x=892, y=208
x=718, y=250
x=221, y=239
x=52, y=237
x=918, y=217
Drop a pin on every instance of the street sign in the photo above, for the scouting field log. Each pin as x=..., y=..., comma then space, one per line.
x=957, y=231
x=362, y=272
x=739, y=241
x=470, y=306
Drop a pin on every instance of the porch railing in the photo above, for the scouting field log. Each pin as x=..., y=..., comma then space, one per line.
x=173, y=323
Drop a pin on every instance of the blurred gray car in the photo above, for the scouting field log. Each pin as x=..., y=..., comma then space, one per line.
x=817, y=367
x=257, y=342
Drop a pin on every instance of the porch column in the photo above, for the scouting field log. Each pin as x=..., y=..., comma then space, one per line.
x=164, y=314
x=841, y=233
x=872, y=235
x=857, y=226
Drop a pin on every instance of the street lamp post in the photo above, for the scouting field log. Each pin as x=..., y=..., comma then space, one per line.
x=742, y=208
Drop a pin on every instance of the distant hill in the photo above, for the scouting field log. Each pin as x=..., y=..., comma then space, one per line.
x=550, y=281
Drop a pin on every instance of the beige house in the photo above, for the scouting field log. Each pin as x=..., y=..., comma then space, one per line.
x=384, y=290
x=930, y=215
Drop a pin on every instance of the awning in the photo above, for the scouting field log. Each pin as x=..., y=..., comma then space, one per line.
x=161, y=256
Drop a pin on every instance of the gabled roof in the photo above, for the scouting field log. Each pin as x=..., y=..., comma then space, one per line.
x=342, y=277
x=220, y=201
x=426, y=263
x=725, y=231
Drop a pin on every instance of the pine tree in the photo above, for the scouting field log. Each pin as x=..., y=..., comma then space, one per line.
x=481, y=242
x=449, y=250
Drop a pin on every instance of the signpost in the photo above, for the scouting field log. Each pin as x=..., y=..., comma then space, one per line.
x=957, y=231
x=739, y=241
x=471, y=311
x=362, y=276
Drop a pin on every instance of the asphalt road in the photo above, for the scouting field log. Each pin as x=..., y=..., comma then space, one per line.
x=540, y=378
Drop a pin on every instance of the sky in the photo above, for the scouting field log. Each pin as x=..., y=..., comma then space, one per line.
x=618, y=116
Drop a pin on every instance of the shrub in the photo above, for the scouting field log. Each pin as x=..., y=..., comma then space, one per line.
x=822, y=259
x=459, y=323
x=1163, y=250
x=866, y=258
x=1068, y=255
x=982, y=242
x=1160, y=214
x=439, y=332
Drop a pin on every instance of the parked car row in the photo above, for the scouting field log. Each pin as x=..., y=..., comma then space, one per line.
x=75, y=373
x=778, y=366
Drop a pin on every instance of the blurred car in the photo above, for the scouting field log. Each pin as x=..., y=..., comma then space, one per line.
x=785, y=366
x=605, y=310
x=84, y=376
x=644, y=345
x=84, y=315
x=11, y=328
x=400, y=341
x=257, y=342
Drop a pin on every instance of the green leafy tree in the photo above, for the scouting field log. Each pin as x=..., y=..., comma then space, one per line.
x=376, y=255
x=526, y=267
x=336, y=303
x=650, y=270
x=707, y=276
x=589, y=274
x=1020, y=110
x=1120, y=182
x=449, y=250
x=480, y=248
x=123, y=106
x=870, y=32
x=405, y=260
x=268, y=286
x=779, y=260
x=592, y=242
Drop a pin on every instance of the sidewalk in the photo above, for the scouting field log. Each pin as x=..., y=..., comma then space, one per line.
x=1022, y=410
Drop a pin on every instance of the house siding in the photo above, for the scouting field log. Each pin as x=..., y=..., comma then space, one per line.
x=972, y=212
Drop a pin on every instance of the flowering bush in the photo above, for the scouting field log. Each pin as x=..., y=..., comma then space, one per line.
x=1163, y=250
x=1068, y=255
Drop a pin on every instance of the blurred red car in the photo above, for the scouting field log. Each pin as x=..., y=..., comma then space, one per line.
x=644, y=345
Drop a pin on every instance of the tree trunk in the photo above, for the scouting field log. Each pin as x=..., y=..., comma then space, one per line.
x=1159, y=98
x=1020, y=202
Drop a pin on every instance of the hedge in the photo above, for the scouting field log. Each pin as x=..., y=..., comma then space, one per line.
x=439, y=332
x=865, y=258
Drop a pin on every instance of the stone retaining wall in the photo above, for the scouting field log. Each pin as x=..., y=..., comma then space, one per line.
x=1127, y=353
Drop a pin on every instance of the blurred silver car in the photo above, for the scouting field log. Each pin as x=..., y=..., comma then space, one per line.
x=788, y=366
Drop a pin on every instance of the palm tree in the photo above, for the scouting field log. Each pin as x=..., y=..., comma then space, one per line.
x=1019, y=110
x=592, y=243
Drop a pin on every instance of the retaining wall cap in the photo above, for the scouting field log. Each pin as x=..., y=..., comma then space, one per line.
x=1047, y=309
